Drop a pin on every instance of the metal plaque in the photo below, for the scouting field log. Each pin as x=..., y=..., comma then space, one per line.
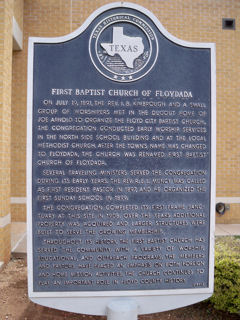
x=121, y=151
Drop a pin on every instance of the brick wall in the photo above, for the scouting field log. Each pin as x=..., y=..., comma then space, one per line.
x=192, y=20
x=18, y=132
x=6, y=13
x=18, y=12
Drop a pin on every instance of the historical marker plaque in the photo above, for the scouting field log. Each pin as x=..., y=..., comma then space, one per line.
x=121, y=160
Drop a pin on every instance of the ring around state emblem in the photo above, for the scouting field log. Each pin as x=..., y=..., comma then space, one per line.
x=123, y=47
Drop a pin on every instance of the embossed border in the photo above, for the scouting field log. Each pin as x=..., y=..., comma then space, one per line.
x=149, y=301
